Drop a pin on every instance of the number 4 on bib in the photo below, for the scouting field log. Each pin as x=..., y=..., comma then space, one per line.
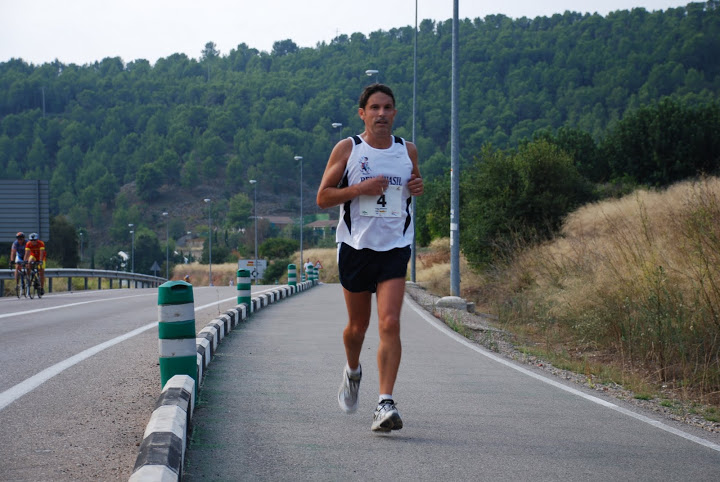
x=387, y=205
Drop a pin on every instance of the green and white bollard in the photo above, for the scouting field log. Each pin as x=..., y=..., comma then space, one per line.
x=292, y=275
x=176, y=331
x=243, y=287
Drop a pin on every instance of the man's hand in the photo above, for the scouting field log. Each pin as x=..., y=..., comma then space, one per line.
x=374, y=186
x=415, y=185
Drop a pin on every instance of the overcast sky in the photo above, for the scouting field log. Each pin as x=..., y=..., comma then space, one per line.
x=84, y=31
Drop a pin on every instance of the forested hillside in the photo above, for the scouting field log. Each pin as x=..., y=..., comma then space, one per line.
x=120, y=137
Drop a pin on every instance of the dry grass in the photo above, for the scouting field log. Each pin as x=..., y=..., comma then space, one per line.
x=223, y=274
x=635, y=279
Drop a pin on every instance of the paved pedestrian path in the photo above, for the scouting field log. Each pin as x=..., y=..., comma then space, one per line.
x=267, y=410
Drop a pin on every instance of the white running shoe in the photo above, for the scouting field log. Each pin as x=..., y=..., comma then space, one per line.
x=386, y=417
x=348, y=393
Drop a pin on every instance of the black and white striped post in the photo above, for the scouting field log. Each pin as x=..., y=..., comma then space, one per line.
x=176, y=331
x=243, y=287
x=292, y=275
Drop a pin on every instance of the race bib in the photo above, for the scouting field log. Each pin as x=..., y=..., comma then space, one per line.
x=387, y=205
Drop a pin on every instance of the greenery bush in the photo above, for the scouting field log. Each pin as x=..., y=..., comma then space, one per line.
x=523, y=193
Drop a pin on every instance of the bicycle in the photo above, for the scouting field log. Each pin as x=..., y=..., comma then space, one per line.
x=34, y=287
x=21, y=287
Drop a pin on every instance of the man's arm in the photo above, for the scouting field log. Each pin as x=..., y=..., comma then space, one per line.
x=329, y=194
x=415, y=185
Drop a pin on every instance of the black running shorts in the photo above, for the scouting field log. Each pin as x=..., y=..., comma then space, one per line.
x=362, y=270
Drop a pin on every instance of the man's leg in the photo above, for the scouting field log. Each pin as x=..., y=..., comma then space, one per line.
x=358, y=307
x=389, y=299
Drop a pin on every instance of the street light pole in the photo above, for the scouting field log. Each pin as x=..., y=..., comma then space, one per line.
x=81, y=245
x=371, y=72
x=167, y=244
x=132, y=249
x=207, y=200
x=299, y=158
x=455, y=161
x=187, y=242
x=254, y=183
x=338, y=126
x=414, y=103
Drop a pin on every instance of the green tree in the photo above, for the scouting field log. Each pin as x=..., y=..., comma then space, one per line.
x=665, y=142
x=63, y=244
x=240, y=210
x=277, y=248
x=147, y=251
x=276, y=270
x=148, y=180
x=517, y=194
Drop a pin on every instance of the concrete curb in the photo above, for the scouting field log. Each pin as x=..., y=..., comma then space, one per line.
x=162, y=452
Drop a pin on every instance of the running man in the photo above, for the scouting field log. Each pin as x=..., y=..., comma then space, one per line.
x=372, y=177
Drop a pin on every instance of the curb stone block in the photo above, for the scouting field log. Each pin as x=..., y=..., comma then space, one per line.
x=204, y=351
x=162, y=450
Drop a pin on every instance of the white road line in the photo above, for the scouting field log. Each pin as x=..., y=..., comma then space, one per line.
x=461, y=339
x=11, y=394
x=69, y=305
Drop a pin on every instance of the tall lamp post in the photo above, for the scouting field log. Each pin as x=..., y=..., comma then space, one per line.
x=299, y=159
x=254, y=183
x=132, y=249
x=371, y=72
x=81, y=245
x=413, y=248
x=336, y=126
x=166, y=215
x=207, y=200
x=455, y=161
x=187, y=243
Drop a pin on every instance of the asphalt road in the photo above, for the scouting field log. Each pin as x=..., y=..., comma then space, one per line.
x=267, y=411
x=79, y=379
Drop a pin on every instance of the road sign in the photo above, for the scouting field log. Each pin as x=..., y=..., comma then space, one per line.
x=256, y=270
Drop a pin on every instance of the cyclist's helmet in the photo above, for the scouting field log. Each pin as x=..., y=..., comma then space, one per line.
x=33, y=237
x=20, y=235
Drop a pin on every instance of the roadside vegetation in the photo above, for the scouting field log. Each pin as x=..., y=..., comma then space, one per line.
x=628, y=290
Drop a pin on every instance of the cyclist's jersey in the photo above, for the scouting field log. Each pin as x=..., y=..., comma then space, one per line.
x=36, y=249
x=19, y=251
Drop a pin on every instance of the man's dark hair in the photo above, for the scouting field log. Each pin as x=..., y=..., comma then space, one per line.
x=371, y=89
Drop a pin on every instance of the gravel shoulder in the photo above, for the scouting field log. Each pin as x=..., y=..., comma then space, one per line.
x=482, y=329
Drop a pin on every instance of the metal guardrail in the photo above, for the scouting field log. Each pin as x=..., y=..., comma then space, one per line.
x=139, y=280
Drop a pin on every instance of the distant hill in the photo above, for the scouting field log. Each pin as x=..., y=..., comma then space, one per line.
x=120, y=133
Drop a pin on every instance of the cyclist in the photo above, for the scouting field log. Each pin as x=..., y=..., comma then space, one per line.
x=17, y=254
x=35, y=251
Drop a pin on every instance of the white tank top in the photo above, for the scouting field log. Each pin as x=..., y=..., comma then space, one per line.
x=380, y=223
